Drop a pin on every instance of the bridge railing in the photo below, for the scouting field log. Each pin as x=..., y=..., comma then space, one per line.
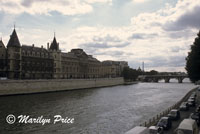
x=155, y=119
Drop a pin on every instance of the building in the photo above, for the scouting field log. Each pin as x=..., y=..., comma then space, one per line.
x=37, y=63
x=3, y=66
x=30, y=62
x=113, y=68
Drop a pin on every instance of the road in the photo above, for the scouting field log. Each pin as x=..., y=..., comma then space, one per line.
x=184, y=115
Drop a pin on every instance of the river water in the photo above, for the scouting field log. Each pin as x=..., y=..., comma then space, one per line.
x=111, y=110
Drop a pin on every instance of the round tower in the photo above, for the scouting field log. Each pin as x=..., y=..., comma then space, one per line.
x=14, y=57
x=56, y=54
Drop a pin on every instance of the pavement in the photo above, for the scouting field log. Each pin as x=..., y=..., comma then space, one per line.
x=184, y=115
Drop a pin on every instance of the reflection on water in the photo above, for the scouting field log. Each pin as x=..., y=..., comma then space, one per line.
x=112, y=110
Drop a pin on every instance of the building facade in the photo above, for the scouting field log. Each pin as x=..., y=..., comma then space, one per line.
x=30, y=62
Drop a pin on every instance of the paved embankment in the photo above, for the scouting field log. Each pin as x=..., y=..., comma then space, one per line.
x=9, y=87
x=153, y=121
x=175, y=124
x=184, y=115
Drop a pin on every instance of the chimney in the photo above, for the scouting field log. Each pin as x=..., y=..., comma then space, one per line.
x=58, y=46
x=32, y=45
x=47, y=46
x=42, y=46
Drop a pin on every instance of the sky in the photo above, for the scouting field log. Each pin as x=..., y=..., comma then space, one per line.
x=156, y=32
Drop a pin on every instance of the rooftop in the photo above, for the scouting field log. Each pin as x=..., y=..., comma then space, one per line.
x=14, y=41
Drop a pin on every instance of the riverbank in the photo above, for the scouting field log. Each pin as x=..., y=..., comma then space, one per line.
x=184, y=114
x=155, y=119
x=12, y=87
x=130, y=82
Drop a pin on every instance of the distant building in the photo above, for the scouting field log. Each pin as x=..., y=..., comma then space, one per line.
x=113, y=68
x=29, y=62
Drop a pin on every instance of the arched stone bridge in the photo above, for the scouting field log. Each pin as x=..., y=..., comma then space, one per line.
x=156, y=78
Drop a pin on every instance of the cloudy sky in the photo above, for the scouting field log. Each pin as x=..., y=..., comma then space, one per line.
x=158, y=32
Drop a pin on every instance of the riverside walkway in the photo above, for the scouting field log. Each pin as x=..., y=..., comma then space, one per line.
x=184, y=115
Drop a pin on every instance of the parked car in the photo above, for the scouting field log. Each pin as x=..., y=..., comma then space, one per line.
x=138, y=130
x=174, y=114
x=194, y=94
x=155, y=130
x=195, y=116
x=193, y=97
x=187, y=126
x=191, y=102
x=198, y=109
x=165, y=122
x=184, y=106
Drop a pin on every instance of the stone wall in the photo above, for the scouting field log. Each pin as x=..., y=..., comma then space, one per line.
x=9, y=87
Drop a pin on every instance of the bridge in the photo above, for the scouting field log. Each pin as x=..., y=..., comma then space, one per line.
x=156, y=78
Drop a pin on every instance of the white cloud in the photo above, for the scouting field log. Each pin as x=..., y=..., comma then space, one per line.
x=99, y=1
x=154, y=40
x=65, y=7
x=145, y=39
x=140, y=1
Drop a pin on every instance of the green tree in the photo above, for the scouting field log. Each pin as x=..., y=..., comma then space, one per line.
x=193, y=60
x=130, y=74
x=126, y=73
x=152, y=72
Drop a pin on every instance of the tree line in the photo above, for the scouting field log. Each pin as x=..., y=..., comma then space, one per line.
x=193, y=60
x=132, y=74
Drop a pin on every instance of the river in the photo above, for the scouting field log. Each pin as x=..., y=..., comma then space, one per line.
x=110, y=110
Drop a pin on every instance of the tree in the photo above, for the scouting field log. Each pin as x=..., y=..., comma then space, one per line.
x=130, y=74
x=193, y=60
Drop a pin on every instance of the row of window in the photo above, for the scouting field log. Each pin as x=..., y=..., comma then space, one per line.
x=42, y=64
x=77, y=69
x=40, y=69
x=78, y=63
x=37, y=54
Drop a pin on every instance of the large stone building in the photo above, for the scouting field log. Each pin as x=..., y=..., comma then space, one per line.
x=30, y=62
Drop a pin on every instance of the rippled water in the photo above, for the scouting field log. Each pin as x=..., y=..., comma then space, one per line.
x=112, y=110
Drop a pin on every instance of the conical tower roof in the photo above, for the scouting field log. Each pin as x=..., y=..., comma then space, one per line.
x=54, y=44
x=14, y=41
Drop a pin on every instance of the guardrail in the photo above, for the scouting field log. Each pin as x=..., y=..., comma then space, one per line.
x=155, y=119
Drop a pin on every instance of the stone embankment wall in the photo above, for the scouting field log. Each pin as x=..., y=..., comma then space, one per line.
x=9, y=87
